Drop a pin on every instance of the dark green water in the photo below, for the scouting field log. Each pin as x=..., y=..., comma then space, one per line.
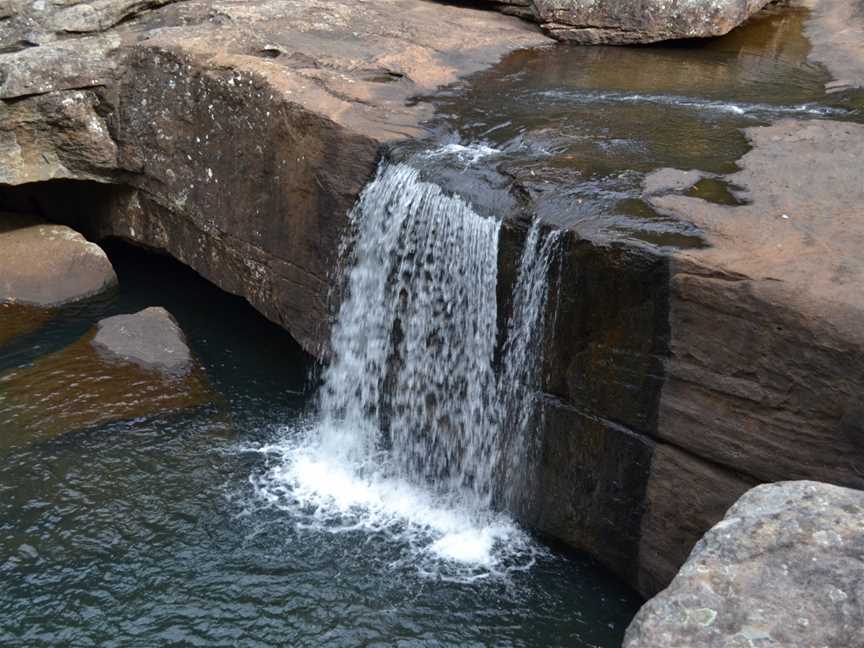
x=577, y=129
x=154, y=532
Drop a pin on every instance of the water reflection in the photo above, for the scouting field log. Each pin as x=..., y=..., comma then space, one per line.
x=579, y=127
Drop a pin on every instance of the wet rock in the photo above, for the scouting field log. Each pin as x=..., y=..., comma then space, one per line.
x=49, y=265
x=836, y=31
x=766, y=345
x=625, y=21
x=767, y=341
x=785, y=567
x=85, y=385
x=238, y=135
x=707, y=371
x=150, y=338
x=670, y=180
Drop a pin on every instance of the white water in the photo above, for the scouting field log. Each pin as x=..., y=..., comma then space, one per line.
x=755, y=110
x=415, y=437
x=522, y=359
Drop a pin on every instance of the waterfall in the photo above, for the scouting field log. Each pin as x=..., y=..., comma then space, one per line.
x=414, y=343
x=416, y=434
x=519, y=383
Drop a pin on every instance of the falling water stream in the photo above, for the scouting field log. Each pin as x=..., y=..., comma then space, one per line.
x=415, y=433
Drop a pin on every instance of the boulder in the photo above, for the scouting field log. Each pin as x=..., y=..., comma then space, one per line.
x=785, y=567
x=150, y=338
x=49, y=265
x=589, y=22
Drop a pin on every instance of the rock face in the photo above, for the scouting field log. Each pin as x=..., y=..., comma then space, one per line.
x=627, y=21
x=233, y=135
x=676, y=382
x=785, y=567
x=150, y=338
x=49, y=265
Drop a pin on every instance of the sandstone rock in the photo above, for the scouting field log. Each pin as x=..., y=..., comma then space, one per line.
x=238, y=134
x=677, y=381
x=836, y=31
x=626, y=21
x=49, y=265
x=767, y=343
x=150, y=338
x=785, y=568
x=670, y=180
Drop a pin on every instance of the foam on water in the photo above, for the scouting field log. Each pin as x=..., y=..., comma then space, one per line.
x=439, y=536
x=416, y=438
x=468, y=154
x=708, y=105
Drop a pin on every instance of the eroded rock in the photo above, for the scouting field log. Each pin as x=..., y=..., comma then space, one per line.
x=785, y=567
x=625, y=21
x=49, y=265
x=150, y=338
x=242, y=132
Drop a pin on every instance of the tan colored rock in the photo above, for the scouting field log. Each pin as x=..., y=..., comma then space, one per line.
x=767, y=342
x=836, y=31
x=49, y=265
x=245, y=130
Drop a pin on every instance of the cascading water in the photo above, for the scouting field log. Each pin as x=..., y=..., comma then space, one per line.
x=522, y=359
x=414, y=343
x=415, y=436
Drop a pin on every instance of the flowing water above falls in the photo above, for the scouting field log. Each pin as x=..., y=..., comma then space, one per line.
x=416, y=434
x=577, y=129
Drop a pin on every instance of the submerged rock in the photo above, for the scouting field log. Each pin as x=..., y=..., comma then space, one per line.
x=129, y=366
x=49, y=265
x=785, y=567
x=625, y=21
x=18, y=319
x=150, y=338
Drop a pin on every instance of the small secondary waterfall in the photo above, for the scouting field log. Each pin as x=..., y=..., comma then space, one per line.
x=418, y=434
x=522, y=358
